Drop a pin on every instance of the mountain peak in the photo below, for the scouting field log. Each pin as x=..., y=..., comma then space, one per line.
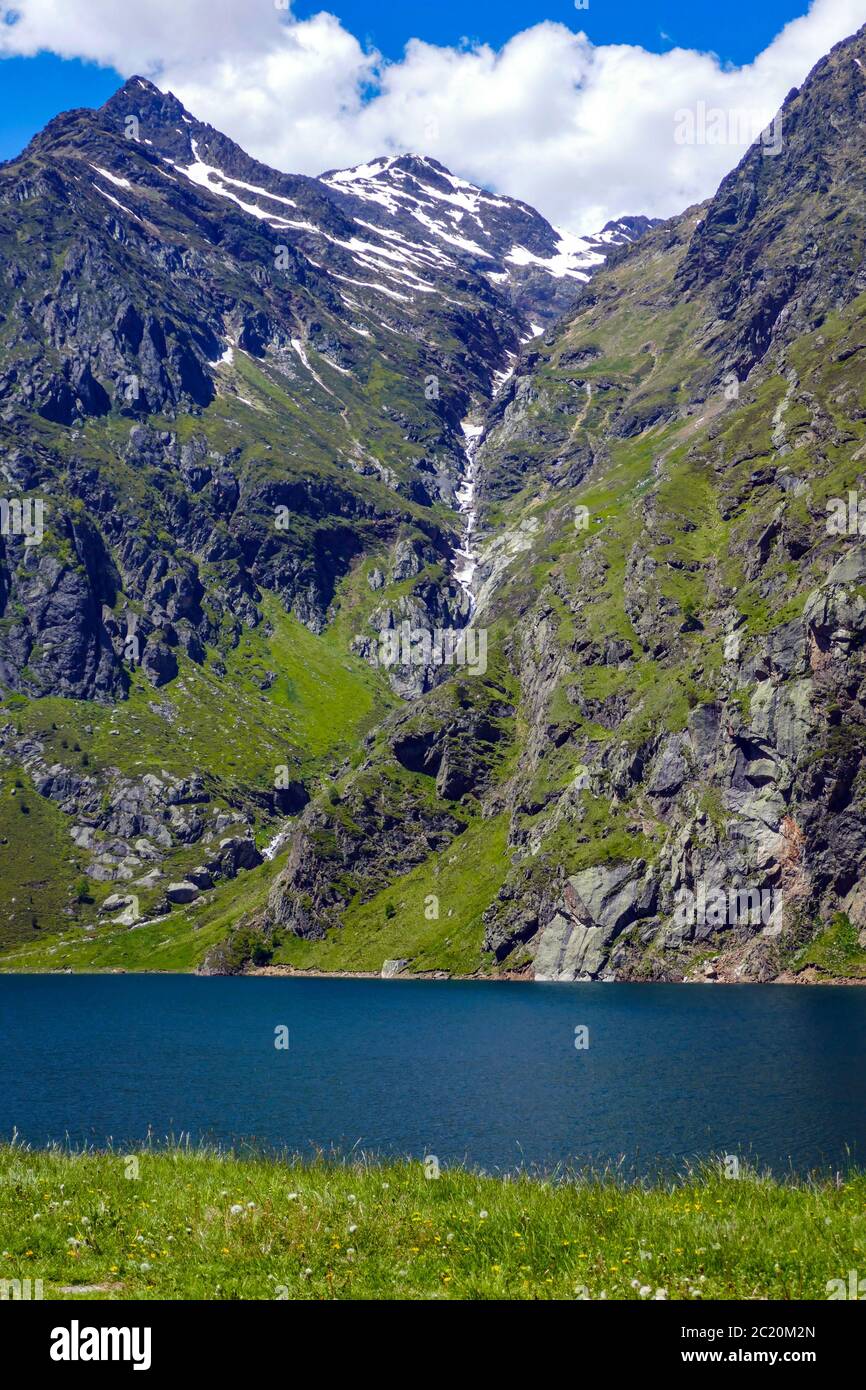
x=137, y=83
x=139, y=94
x=388, y=164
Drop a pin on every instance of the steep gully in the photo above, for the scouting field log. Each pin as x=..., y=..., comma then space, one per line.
x=466, y=557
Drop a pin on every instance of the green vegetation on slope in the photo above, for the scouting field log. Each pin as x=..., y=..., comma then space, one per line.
x=176, y=942
x=431, y=916
x=836, y=951
x=236, y=729
x=35, y=854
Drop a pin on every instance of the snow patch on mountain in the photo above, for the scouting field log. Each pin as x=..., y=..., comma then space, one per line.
x=574, y=257
x=112, y=178
x=215, y=181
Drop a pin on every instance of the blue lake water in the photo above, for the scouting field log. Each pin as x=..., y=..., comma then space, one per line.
x=470, y=1071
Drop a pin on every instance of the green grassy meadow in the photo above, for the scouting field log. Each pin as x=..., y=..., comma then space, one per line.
x=179, y=1223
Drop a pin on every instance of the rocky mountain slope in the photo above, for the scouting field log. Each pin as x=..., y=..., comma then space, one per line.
x=231, y=439
x=659, y=775
x=386, y=405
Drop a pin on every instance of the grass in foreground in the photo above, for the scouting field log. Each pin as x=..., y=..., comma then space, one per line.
x=186, y=1224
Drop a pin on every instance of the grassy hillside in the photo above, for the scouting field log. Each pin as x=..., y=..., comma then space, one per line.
x=223, y=726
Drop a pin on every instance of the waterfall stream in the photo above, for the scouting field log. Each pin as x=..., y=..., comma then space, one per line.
x=466, y=557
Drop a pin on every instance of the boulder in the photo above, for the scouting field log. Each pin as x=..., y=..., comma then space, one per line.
x=200, y=877
x=184, y=892
x=149, y=880
x=159, y=664
x=236, y=853
x=390, y=968
x=115, y=902
x=567, y=950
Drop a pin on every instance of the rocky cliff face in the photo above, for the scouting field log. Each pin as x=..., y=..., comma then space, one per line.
x=700, y=651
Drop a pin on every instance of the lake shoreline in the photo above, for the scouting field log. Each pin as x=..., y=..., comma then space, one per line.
x=806, y=977
x=787, y=978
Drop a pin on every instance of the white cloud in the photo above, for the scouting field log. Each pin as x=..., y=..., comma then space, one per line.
x=582, y=132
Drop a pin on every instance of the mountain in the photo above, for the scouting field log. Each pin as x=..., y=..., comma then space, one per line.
x=424, y=211
x=237, y=728
x=231, y=437
x=659, y=775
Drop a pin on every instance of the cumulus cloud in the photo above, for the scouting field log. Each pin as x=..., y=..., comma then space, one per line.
x=583, y=132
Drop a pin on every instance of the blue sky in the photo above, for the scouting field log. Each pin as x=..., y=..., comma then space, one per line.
x=735, y=29
x=34, y=89
x=572, y=110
